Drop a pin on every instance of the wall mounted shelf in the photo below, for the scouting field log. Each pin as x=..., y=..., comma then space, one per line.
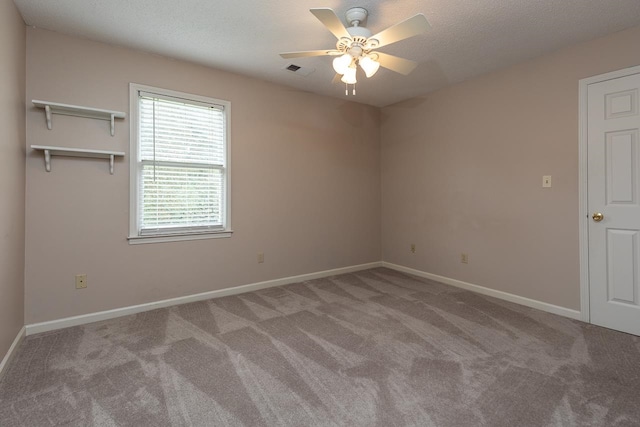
x=51, y=108
x=76, y=152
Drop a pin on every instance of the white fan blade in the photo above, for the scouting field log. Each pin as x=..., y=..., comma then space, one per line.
x=413, y=26
x=394, y=63
x=330, y=20
x=305, y=53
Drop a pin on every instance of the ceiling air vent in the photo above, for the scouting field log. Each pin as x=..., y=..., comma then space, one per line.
x=297, y=69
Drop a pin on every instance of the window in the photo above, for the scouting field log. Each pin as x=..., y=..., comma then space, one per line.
x=179, y=166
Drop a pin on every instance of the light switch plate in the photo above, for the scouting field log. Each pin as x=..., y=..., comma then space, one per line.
x=546, y=181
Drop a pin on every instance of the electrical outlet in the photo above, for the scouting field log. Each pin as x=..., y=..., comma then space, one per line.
x=413, y=248
x=81, y=281
x=260, y=257
x=464, y=258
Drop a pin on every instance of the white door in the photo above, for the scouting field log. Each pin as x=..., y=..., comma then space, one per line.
x=613, y=170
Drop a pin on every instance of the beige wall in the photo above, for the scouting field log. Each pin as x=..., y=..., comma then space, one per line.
x=305, y=184
x=12, y=129
x=462, y=172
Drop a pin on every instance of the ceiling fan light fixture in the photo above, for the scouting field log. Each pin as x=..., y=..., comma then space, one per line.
x=369, y=66
x=341, y=63
x=349, y=76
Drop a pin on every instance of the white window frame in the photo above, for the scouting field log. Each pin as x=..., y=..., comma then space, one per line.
x=135, y=167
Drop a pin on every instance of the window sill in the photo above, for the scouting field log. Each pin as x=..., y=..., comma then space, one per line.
x=164, y=238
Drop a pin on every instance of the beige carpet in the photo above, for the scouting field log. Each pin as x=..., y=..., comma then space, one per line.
x=374, y=348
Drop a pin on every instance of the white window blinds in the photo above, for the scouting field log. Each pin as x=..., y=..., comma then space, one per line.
x=182, y=170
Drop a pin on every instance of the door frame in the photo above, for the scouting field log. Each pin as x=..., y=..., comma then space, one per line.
x=583, y=86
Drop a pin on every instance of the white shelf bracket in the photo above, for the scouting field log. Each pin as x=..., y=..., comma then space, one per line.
x=47, y=160
x=113, y=129
x=111, y=158
x=47, y=112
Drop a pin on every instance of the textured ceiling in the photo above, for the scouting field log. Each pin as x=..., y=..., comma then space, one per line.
x=467, y=38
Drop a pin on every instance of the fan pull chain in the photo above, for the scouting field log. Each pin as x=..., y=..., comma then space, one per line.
x=346, y=89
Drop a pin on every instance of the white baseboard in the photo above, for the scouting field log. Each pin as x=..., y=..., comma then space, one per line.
x=550, y=308
x=133, y=309
x=11, y=352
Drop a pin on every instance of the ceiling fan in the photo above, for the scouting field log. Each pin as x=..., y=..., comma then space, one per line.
x=357, y=46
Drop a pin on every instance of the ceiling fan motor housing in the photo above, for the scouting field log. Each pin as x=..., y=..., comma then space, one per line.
x=359, y=32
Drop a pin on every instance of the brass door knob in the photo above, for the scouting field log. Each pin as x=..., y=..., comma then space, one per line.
x=597, y=217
